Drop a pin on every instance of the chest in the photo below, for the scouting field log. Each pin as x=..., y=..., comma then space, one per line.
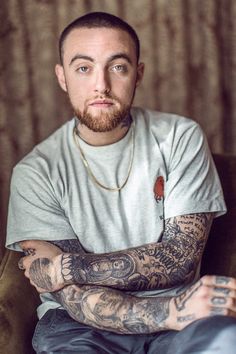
x=106, y=221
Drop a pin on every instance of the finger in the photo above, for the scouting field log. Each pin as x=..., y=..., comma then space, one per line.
x=222, y=281
x=222, y=301
x=24, y=264
x=25, y=244
x=223, y=307
x=29, y=251
x=20, y=264
x=219, y=281
x=29, y=244
x=221, y=294
x=220, y=291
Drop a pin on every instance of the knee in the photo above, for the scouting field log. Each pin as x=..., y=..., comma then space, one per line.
x=206, y=335
x=215, y=323
x=213, y=327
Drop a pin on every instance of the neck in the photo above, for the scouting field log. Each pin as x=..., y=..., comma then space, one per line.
x=101, y=139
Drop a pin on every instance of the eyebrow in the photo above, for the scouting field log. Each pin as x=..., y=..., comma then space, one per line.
x=120, y=56
x=110, y=59
x=81, y=56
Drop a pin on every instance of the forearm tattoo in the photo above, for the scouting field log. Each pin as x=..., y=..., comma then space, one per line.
x=110, y=309
x=171, y=262
x=113, y=310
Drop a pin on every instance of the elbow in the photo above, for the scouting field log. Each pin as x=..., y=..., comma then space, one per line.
x=184, y=274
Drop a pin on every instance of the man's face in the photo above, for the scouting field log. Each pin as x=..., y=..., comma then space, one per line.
x=100, y=74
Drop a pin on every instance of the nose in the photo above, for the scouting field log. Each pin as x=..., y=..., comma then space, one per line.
x=102, y=82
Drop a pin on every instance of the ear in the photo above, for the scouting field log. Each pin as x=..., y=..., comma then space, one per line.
x=59, y=70
x=140, y=71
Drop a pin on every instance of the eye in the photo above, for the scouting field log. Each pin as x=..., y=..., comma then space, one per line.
x=82, y=69
x=120, y=68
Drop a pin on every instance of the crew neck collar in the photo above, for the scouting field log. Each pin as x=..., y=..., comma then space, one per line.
x=110, y=150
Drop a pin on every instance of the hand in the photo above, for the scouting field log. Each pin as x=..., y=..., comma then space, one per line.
x=42, y=265
x=211, y=295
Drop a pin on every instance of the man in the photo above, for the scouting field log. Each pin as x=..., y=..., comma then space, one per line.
x=113, y=212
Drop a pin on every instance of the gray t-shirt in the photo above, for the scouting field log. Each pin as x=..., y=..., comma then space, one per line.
x=53, y=198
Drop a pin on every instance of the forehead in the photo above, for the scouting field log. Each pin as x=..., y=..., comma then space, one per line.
x=98, y=42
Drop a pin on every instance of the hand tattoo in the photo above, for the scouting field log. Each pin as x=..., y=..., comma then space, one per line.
x=38, y=273
x=181, y=300
x=187, y=318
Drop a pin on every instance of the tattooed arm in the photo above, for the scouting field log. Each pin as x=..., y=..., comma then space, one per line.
x=153, y=266
x=116, y=311
x=119, y=312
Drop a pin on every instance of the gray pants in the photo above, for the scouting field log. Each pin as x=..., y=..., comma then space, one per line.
x=56, y=332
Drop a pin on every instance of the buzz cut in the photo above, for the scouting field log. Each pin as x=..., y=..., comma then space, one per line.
x=99, y=20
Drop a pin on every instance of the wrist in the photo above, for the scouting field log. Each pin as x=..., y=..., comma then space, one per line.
x=62, y=273
x=171, y=321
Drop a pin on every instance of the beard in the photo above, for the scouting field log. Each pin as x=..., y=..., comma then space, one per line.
x=103, y=121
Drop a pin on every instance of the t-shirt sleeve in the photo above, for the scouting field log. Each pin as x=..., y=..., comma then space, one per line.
x=34, y=209
x=192, y=185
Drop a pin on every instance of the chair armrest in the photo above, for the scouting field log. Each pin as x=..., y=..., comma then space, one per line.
x=18, y=303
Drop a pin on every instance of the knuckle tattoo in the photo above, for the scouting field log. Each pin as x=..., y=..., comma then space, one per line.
x=218, y=311
x=218, y=300
x=222, y=280
x=223, y=291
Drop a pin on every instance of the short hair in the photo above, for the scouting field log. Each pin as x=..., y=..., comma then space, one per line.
x=99, y=20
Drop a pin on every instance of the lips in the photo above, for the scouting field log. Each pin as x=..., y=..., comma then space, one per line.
x=101, y=103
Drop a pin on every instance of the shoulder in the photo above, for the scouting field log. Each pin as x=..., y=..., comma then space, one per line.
x=165, y=125
x=45, y=157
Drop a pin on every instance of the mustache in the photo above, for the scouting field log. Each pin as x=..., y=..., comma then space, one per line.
x=106, y=96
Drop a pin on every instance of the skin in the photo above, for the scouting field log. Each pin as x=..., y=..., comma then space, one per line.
x=100, y=74
x=101, y=64
x=116, y=311
x=148, y=267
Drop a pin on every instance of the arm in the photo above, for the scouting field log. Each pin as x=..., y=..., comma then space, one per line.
x=116, y=311
x=153, y=266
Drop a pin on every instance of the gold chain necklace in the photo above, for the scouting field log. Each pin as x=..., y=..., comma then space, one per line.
x=90, y=173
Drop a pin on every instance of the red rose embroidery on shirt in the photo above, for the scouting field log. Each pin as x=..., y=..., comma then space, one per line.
x=159, y=188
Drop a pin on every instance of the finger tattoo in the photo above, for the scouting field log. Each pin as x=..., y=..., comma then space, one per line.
x=224, y=291
x=222, y=280
x=30, y=252
x=218, y=300
x=217, y=311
